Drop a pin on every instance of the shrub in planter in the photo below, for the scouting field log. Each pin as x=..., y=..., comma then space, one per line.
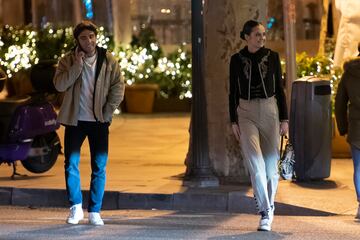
x=138, y=65
x=175, y=75
x=143, y=62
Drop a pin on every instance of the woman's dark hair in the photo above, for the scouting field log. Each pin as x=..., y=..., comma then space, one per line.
x=84, y=25
x=247, y=28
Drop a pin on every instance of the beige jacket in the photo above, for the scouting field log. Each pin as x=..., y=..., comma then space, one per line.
x=108, y=93
x=347, y=102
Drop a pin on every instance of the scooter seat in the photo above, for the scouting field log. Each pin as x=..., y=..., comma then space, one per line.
x=9, y=105
x=7, y=109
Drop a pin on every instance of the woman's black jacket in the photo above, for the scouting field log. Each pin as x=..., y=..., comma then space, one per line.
x=269, y=66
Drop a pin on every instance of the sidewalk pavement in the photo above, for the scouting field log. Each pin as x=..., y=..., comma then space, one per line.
x=145, y=170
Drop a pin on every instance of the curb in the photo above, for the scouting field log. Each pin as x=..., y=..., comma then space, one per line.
x=187, y=201
x=193, y=200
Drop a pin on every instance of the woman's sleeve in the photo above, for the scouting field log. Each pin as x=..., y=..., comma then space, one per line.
x=234, y=91
x=279, y=90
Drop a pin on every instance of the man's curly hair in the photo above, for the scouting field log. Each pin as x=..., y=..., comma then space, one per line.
x=84, y=25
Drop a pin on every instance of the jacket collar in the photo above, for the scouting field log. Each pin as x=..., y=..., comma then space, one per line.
x=258, y=55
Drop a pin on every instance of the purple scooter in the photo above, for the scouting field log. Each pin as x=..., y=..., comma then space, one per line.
x=28, y=124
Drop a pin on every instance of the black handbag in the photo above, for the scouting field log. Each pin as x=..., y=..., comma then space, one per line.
x=287, y=160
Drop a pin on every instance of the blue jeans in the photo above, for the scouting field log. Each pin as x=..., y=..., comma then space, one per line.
x=355, y=152
x=98, y=137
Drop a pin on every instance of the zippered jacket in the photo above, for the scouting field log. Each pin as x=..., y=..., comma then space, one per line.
x=268, y=65
x=108, y=91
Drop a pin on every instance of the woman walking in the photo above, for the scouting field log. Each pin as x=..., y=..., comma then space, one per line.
x=258, y=114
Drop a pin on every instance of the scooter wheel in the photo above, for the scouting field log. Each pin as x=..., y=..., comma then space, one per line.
x=43, y=153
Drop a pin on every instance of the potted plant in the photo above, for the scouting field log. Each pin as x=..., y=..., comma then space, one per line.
x=174, y=82
x=138, y=62
x=138, y=69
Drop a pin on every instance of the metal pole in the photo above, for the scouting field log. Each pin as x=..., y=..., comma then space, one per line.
x=200, y=174
x=290, y=42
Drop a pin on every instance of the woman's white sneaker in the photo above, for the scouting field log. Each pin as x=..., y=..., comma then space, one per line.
x=76, y=214
x=95, y=219
x=265, y=222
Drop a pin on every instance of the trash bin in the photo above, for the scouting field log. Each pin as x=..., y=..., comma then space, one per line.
x=310, y=127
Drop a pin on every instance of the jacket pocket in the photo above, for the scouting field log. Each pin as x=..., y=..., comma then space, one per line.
x=107, y=113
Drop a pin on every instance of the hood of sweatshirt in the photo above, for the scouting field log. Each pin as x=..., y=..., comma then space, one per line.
x=352, y=66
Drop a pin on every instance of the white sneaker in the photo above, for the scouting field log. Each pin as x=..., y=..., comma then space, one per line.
x=265, y=222
x=76, y=214
x=358, y=213
x=95, y=219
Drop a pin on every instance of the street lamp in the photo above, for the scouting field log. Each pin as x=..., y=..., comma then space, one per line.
x=200, y=174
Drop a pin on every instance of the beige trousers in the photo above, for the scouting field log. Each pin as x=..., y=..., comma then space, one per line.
x=259, y=124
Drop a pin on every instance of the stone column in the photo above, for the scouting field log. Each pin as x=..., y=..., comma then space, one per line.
x=289, y=7
x=34, y=13
x=348, y=32
x=323, y=26
x=13, y=12
x=222, y=39
x=1, y=12
x=77, y=17
x=121, y=10
x=336, y=18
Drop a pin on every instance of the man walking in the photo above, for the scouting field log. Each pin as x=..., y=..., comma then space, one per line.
x=90, y=78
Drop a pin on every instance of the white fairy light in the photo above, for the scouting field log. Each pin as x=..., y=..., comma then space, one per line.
x=188, y=94
x=183, y=55
x=154, y=47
